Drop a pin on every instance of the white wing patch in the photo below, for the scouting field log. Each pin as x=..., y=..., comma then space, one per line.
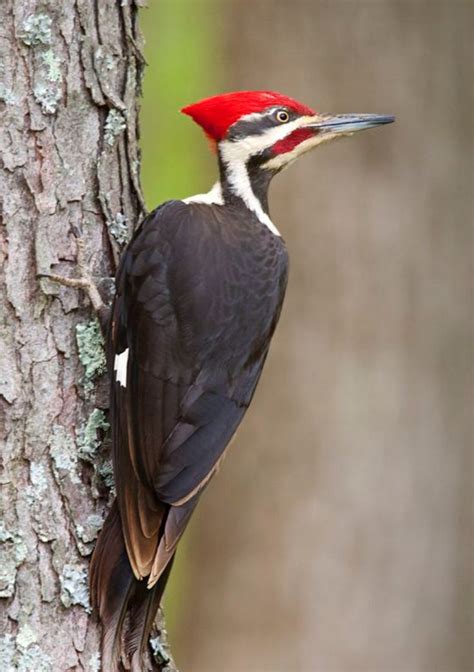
x=120, y=367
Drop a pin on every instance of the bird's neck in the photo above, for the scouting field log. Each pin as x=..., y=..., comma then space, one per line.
x=245, y=183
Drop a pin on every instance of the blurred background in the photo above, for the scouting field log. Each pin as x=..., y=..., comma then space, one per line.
x=337, y=537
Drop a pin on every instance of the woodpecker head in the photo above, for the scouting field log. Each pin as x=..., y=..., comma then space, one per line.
x=269, y=129
x=258, y=133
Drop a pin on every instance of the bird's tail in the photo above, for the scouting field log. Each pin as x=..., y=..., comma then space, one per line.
x=126, y=606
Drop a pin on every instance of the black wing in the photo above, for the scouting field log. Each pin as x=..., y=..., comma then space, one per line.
x=197, y=302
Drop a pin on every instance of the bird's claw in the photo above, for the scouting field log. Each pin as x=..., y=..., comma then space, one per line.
x=85, y=281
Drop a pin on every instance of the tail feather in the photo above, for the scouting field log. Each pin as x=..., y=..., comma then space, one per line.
x=126, y=606
x=141, y=621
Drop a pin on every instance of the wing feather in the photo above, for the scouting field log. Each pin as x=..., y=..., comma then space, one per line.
x=193, y=363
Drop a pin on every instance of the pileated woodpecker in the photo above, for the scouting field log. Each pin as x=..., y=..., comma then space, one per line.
x=199, y=292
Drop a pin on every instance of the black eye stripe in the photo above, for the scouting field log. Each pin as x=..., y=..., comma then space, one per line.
x=258, y=125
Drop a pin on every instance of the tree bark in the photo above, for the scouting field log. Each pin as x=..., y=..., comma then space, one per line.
x=69, y=79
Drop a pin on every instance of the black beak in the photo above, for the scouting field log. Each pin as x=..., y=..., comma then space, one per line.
x=350, y=123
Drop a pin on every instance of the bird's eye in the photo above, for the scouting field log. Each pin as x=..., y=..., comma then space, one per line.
x=282, y=116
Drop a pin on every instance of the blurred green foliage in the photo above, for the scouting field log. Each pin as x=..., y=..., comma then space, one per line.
x=180, y=49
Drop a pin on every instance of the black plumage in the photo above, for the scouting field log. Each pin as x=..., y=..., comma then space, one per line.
x=199, y=292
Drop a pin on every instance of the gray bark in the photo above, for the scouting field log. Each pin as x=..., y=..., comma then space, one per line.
x=69, y=79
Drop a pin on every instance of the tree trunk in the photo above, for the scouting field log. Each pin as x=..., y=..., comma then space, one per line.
x=69, y=78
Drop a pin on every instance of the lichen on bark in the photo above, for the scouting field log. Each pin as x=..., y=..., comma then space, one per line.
x=90, y=345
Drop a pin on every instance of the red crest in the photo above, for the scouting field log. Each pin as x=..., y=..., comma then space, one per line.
x=215, y=115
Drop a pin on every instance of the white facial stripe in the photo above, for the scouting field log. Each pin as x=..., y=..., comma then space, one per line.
x=213, y=197
x=255, y=144
x=235, y=157
x=120, y=367
x=235, y=154
x=282, y=160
